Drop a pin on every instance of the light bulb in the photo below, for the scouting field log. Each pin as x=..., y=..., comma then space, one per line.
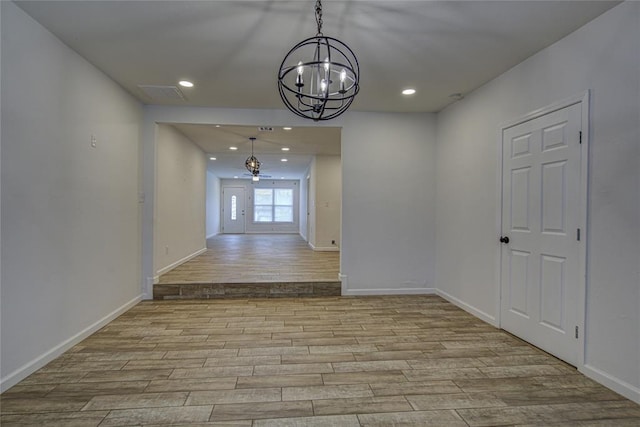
x=299, y=81
x=326, y=64
x=323, y=86
x=343, y=77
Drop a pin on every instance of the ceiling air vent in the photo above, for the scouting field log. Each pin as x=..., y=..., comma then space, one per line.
x=162, y=93
x=265, y=129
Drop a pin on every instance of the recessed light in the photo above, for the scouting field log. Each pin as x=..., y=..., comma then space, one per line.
x=212, y=158
x=285, y=148
x=235, y=177
x=185, y=83
x=284, y=160
x=217, y=126
x=287, y=128
x=282, y=177
x=233, y=148
x=408, y=91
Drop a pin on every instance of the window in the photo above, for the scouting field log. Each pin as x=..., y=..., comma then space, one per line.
x=234, y=209
x=273, y=205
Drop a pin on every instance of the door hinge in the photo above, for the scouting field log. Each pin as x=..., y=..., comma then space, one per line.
x=578, y=235
x=576, y=332
x=580, y=137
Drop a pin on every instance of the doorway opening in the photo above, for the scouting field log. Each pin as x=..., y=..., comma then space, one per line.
x=275, y=236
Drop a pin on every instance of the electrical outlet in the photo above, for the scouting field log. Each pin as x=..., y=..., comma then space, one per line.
x=94, y=141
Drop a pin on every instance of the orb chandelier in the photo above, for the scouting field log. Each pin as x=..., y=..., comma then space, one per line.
x=319, y=77
x=252, y=163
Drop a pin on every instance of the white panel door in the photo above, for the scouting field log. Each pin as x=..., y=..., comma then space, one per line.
x=233, y=210
x=540, y=219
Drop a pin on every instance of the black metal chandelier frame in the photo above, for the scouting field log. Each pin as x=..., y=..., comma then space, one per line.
x=324, y=86
x=252, y=163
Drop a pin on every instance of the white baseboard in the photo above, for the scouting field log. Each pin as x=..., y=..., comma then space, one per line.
x=147, y=287
x=180, y=261
x=346, y=291
x=389, y=291
x=325, y=248
x=621, y=387
x=30, y=367
x=271, y=232
x=625, y=389
x=469, y=308
x=345, y=283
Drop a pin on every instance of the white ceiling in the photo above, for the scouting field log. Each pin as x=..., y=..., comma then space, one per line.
x=231, y=50
x=303, y=143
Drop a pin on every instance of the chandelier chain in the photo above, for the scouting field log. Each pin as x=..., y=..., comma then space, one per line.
x=319, y=16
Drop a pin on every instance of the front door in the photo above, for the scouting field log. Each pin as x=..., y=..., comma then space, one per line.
x=233, y=210
x=540, y=219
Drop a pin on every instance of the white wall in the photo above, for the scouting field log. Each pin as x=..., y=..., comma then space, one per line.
x=249, y=185
x=327, y=185
x=213, y=204
x=304, y=198
x=388, y=202
x=311, y=218
x=70, y=212
x=180, y=198
x=390, y=224
x=604, y=57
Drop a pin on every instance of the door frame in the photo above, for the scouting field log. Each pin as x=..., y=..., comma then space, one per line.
x=244, y=191
x=583, y=99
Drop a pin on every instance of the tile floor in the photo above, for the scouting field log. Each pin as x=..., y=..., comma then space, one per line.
x=336, y=361
x=247, y=258
x=253, y=266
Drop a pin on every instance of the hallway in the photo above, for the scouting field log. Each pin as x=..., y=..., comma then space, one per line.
x=281, y=264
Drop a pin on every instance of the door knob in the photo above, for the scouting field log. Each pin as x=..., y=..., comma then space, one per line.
x=504, y=239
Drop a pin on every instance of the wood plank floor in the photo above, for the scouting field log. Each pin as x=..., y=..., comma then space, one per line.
x=253, y=265
x=339, y=361
x=257, y=258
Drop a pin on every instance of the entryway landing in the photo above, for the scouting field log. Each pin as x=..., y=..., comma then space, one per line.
x=253, y=265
